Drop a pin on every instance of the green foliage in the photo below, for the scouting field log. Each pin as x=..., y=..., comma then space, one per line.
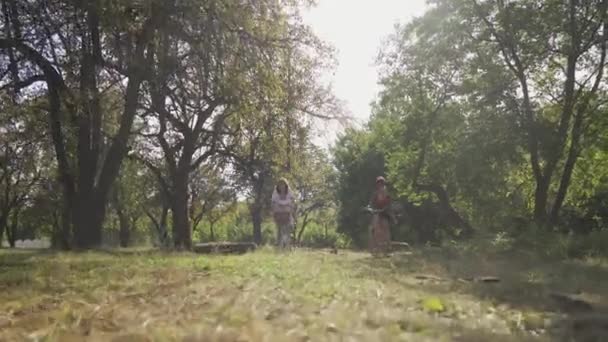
x=231, y=84
x=564, y=245
x=451, y=117
x=358, y=163
x=319, y=234
x=26, y=204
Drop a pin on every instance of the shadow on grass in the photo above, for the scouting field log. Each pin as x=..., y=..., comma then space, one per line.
x=19, y=257
x=573, y=292
x=525, y=282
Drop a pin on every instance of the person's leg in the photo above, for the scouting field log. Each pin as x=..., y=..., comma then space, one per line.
x=278, y=236
x=385, y=235
x=372, y=235
x=288, y=235
x=281, y=233
x=284, y=235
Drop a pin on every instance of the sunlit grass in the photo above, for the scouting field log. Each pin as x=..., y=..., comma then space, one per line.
x=270, y=296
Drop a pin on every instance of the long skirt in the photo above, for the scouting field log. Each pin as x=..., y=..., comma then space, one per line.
x=380, y=235
x=285, y=226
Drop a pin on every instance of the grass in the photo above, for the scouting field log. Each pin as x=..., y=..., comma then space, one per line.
x=300, y=296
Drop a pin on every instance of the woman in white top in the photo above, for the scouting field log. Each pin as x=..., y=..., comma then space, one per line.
x=283, y=210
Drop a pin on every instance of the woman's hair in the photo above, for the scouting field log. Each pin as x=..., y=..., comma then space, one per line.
x=284, y=181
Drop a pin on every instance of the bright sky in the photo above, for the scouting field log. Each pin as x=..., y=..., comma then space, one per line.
x=357, y=28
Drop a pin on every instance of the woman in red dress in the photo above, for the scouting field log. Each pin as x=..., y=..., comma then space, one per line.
x=380, y=238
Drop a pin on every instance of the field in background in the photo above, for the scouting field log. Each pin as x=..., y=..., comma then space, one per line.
x=427, y=294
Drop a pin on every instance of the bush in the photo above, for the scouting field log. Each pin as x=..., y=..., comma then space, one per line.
x=317, y=236
x=557, y=244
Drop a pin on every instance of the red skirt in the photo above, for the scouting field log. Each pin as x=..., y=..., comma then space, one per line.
x=380, y=237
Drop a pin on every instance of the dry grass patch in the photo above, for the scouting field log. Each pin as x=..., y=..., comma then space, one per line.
x=268, y=296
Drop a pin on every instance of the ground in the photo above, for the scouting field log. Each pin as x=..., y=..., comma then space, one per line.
x=434, y=294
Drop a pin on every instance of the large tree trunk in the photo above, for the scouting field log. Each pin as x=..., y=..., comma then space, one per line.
x=56, y=233
x=541, y=198
x=124, y=224
x=11, y=238
x=182, y=236
x=85, y=197
x=256, y=210
x=161, y=224
x=65, y=234
x=88, y=218
x=577, y=128
x=3, y=223
x=124, y=233
x=11, y=229
x=564, y=184
x=256, y=219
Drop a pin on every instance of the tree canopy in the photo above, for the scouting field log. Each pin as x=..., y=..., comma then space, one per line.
x=171, y=121
x=489, y=110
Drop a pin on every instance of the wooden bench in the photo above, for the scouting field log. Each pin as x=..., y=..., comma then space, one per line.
x=224, y=247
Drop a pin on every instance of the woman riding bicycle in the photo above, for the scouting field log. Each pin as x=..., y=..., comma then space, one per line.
x=380, y=233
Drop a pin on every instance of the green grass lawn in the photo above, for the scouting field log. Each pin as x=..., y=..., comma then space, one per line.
x=300, y=296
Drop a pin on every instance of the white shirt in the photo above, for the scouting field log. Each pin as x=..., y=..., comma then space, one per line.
x=283, y=205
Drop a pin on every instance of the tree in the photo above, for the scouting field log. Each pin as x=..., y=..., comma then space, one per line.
x=358, y=162
x=275, y=119
x=77, y=54
x=207, y=71
x=557, y=72
x=22, y=164
x=313, y=186
x=156, y=207
x=128, y=199
x=212, y=195
x=507, y=78
x=188, y=95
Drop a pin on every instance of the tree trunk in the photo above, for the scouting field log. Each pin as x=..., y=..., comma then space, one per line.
x=56, y=233
x=11, y=230
x=162, y=227
x=88, y=218
x=564, y=184
x=3, y=222
x=11, y=238
x=211, y=232
x=301, y=232
x=182, y=236
x=64, y=235
x=161, y=224
x=123, y=220
x=124, y=234
x=86, y=208
x=256, y=219
x=256, y=213
x=256, y=209
x=541, y=195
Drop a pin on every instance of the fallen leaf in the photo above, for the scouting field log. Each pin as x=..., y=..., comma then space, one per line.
x=433, y=304
x=533, y=321
x=331, y=328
